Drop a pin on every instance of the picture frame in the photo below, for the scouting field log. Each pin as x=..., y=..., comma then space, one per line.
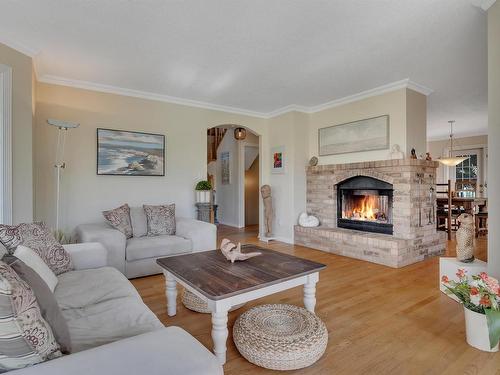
x=130, y=153
x=278, y=160
x=357, y=136
x=225, y=158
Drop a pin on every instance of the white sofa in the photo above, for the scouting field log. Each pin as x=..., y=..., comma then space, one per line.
x=137, y=256
x=113, y=331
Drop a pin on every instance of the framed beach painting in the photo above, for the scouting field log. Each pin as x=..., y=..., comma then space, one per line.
x=225, y=160
x=278, y=159
x=363, y=135
x=128, y=153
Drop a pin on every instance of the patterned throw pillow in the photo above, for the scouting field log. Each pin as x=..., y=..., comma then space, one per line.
x=119, y=218
x=25, y=337
x=160, y=219
x=37, y=237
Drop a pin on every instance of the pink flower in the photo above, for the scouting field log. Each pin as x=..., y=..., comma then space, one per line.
x=483, y=276
x=445, y=279
x=474, y=291
x=460, y=273
x=493, y=285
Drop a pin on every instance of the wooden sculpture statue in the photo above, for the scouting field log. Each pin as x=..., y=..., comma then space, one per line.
x=265, y=191
x=465, y=238
x=233, y=252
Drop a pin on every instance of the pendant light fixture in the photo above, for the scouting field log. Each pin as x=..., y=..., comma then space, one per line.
x=452, y=161
x=240, y=134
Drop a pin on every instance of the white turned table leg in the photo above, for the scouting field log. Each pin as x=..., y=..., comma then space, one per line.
x=171, y=293
x=310, y=292
x=220, y=332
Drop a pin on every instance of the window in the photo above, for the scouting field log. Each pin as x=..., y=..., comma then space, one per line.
x=468, y=173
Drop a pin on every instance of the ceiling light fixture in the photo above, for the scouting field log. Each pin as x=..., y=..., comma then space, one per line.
x=452, y=161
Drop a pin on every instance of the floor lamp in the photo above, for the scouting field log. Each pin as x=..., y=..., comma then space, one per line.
x=63, y=127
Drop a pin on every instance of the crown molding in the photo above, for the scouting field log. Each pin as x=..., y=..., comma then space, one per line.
x=55, y=80
x=405, y=83
x=398, y=85
x=484, y=4
x=25, y=50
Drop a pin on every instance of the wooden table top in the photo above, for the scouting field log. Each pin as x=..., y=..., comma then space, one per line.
x=215, y=277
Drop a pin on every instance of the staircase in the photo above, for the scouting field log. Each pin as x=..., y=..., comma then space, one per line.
x=214, y=138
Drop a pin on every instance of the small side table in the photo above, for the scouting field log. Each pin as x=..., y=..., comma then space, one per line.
x=203, y=210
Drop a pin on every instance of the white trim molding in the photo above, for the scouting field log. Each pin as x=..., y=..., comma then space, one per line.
x=405, y=83
x=144, y=95
x=6, y=144
x=484, y=4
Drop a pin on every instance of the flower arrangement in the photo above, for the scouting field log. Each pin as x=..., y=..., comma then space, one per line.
x=481, y=295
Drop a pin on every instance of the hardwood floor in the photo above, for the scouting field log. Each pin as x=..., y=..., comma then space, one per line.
x=380, y=320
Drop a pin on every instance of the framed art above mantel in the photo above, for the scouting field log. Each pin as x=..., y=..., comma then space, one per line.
x=130, y=153
x=362, y=135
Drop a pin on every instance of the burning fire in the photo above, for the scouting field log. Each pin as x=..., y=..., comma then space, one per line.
x=367, y=208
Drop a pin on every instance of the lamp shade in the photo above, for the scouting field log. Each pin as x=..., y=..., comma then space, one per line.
x=240, y=134
x=452, y=161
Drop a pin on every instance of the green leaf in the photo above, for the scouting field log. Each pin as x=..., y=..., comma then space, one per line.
x=493, y=319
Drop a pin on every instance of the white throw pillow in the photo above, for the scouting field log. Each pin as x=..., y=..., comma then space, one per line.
x=36, y=263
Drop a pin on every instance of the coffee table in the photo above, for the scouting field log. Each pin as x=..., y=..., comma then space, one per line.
x=223, y=284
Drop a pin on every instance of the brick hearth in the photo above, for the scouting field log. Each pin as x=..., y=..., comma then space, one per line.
x=410, y=242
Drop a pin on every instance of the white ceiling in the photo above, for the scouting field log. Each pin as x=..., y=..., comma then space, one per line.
x=262, y=55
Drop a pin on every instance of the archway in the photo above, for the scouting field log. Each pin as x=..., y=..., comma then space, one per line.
x=234, y=169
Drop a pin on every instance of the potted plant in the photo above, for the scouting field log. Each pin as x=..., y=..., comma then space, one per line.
x=203, y=191
x=480, y=296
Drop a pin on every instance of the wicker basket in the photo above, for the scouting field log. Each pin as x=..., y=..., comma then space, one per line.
x=192, y=302
x=280, y=337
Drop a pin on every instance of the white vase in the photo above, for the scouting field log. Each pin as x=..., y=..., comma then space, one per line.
x=203, y=196
x=476, y=331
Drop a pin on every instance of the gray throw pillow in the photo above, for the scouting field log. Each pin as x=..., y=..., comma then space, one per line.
x=119, y=218
x=160, y=219
x=40, y=239
x=25, y=336
x=48, y=305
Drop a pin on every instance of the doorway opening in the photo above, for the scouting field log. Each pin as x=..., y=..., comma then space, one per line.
x=233, y=169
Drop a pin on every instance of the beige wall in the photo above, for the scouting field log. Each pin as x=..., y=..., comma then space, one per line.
x=416, y=122
x=22, y=129
x=252, y=194
x=494, y=138
x=85, y=194
x=407, y=110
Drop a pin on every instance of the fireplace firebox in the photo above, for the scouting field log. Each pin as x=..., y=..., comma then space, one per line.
x=365, y=203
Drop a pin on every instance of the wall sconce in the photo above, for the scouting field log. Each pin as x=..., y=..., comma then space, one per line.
x=240, y=134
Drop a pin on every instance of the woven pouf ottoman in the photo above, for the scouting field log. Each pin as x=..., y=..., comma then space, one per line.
x=280, y=337
x=192, y=302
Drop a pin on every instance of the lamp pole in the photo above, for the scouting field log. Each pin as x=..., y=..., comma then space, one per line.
x=62, y=128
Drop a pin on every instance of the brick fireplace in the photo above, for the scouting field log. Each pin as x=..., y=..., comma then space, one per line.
x=380, y=211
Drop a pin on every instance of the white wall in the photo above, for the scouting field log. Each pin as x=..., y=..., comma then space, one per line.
x=230, y=197
x=289, y=189
x=22, y=132
x=494, y=139
x=85, y=193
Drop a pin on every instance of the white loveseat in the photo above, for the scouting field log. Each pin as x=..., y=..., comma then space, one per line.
x=113, y=331
x=137, y=256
